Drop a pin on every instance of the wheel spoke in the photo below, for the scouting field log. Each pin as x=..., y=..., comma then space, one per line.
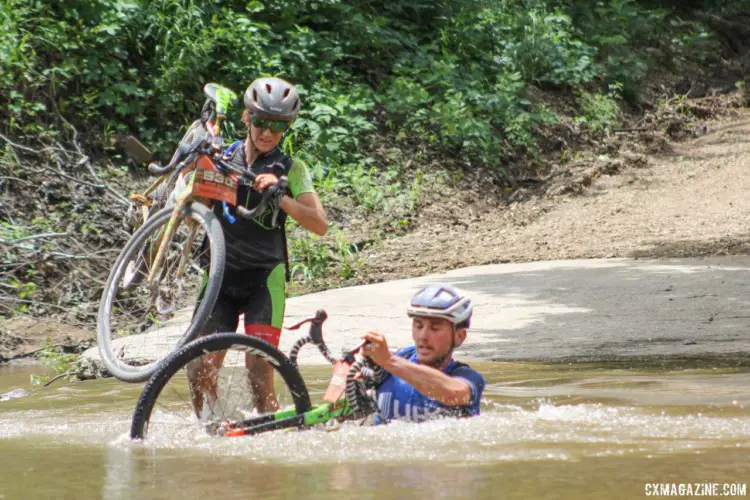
x=220, y=372
x=144, y=318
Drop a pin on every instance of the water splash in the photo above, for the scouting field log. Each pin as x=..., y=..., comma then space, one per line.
x=14, y=394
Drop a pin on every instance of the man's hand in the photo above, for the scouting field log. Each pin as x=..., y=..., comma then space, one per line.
x=425, y=379
x=377, y=349
x=265, y=181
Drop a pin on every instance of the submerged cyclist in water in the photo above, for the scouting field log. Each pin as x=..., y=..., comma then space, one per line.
x=424, y=380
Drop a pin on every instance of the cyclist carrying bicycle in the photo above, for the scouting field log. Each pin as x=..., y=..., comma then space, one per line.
x=424, y=380
x=256, y=268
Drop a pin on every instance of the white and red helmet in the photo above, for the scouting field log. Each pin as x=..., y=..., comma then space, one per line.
x=272, y=98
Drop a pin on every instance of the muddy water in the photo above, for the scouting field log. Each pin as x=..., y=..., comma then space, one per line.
x=546, y=431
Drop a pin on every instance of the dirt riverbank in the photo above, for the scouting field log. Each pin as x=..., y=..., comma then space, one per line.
x=672, y=187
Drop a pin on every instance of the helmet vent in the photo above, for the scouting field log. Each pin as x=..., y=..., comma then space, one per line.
x=273, y=98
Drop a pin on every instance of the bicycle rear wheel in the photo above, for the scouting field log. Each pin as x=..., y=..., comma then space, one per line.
x=140, y=320
x=171, y=403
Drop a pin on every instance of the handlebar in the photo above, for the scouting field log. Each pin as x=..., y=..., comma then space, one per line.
x=273, y=193
x=363, y=374
x=186, y=153
x=184, y=149
x=315, y=337
x=219, y=99
x=157, y=169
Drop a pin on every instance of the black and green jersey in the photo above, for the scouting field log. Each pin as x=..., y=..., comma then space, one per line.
x=252, y=243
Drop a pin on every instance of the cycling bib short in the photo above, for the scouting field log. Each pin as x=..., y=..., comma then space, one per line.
x=260, y=295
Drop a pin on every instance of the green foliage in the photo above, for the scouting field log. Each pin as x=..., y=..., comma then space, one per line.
x=346, y=256
x=59, y=361
x=313, y=257
x=452, y=75
x=23, y=290
x=11, y=232
x=600, y=111
x=331, y=128
x=447, y=81
x=310, y=257
x=696, y=43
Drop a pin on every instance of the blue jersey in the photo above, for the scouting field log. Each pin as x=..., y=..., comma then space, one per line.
x=397, y=399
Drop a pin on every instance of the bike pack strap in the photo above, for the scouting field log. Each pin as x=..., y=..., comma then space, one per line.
x=337, y=385
x=225, y=211
x=230, y=150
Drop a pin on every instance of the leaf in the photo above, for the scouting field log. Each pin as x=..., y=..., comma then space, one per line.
x=322, y=110
x=254, y=6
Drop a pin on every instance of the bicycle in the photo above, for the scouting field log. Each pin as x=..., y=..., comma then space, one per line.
x=177, y=254
x=349, y=396
x=143, y=204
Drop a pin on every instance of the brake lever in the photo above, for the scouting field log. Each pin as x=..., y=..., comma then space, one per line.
x=246, y=181
x=184, y=155
x=281, y=188
x=350, y=353
x=270, y=195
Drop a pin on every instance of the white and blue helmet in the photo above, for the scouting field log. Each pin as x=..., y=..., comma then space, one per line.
x=441, y=301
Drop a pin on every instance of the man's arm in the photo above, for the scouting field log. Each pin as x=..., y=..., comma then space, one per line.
x=430, y=382
x=425, y=379
x=307, y=211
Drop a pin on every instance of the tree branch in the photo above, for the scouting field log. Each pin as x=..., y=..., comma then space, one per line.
x=117, y=195
x=16, y=179
x=79, y=181
x=54, y=379
x=35, y=237
x=18, y=145
x=3, y=359
x=16, y=299
x=85, y=161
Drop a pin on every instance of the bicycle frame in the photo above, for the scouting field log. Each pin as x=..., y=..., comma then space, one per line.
x=285, y=419
x=336, y=403
x=189, y=195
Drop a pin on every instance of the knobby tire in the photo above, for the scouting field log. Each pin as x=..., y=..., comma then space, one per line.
x=156, y=222
x=205, y=345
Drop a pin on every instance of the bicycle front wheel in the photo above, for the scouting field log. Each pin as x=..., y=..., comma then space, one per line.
x=207, y=384
x=142, y=320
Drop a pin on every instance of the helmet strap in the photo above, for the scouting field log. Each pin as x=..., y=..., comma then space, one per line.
x=250, y=151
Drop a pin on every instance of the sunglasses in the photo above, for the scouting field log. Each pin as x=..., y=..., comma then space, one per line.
x=275, y=126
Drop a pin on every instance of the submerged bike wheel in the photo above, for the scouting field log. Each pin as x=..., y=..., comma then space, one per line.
x=142, y=320
x=207, y=385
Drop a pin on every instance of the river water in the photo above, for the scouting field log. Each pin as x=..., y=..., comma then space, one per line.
x=546, y=431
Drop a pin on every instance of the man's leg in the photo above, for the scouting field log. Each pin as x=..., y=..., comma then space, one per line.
x=263, y=319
